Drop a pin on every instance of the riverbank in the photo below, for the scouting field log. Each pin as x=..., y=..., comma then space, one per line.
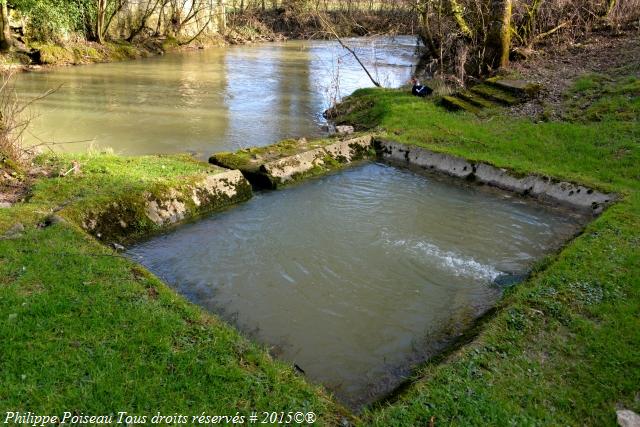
x=283, y=24
x=47, y=55
x=562, y=347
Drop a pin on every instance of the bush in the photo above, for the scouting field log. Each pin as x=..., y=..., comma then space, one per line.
x=12, y=154
x=55, y=20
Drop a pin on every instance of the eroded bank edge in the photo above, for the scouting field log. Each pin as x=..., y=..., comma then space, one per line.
x=538, y=187
x=130, y=217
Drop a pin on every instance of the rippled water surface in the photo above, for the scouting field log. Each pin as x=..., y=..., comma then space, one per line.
x=209, y=100
x=356, y=276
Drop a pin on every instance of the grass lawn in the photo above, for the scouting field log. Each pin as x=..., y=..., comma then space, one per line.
x=86, y=330
x=564, y=349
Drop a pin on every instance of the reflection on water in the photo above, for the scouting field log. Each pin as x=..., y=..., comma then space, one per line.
x=356, y=276
x=210, y=100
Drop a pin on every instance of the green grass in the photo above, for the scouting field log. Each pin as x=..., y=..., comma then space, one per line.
x=564, y=348
x=104, y=177
x=87, y=330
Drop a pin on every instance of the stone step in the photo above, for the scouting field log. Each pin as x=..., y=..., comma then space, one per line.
x=476, y=99
x=454, y=103
x=495, y=94
x=287, y=162
x=520, y=88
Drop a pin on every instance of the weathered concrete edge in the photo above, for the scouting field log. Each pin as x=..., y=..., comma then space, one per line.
x=317, y=161
x=136, y=216
x=542, y=188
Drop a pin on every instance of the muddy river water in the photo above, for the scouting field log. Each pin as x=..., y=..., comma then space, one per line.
x=208, y=100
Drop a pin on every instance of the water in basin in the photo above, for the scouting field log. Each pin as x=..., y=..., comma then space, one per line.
x=357, y=276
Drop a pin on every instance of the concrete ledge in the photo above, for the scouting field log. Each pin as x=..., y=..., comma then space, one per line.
x=542, y=188
x=317, y=161
x=289, y=161
x=133, y=216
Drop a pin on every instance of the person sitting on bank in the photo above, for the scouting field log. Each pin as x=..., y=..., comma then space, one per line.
x=420, y=90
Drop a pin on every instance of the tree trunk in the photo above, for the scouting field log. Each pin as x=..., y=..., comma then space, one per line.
x=425, y=30
x=457, y=12
x=101, y=12
x=612, y=5
x=6, y=40
x=498, y=42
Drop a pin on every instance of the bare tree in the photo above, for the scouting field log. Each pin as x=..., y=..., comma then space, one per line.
x=333, y=32
x=476, y=37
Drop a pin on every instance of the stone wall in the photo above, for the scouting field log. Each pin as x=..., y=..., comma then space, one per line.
x=136, y=215
x=542, y=188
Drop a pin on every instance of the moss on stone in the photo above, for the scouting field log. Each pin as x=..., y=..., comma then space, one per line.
x=495, y=94
x=251, y=159
x=84, y=53
x=170, y=43
x=456, y=104
x=123, y=50
x=52, y=54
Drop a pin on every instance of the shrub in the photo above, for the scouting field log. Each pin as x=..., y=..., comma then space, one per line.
x=55, y=20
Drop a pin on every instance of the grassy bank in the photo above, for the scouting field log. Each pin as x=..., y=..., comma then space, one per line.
x=86, y=330
x=564, y=348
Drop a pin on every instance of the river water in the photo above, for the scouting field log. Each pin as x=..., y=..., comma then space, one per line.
x=357, y=276
x=209, y=100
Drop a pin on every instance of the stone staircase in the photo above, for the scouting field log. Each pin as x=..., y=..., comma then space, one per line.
x=492, y=93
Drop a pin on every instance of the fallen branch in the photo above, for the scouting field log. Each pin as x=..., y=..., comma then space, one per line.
x=348, y=49
x=541, y=36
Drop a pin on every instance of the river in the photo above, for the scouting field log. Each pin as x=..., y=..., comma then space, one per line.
x=203, y=101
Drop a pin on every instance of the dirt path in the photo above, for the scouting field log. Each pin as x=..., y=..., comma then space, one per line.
x=556, y=67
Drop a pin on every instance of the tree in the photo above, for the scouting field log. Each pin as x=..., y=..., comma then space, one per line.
x=457, y=12
x=106, y=10
x=466, y=37
x=6, y=40
x=498, y=44
x=101, y=12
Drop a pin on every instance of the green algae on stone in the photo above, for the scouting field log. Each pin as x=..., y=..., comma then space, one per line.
x=290, y=161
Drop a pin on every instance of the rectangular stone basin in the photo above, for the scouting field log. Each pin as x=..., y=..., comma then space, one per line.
x=358, y=276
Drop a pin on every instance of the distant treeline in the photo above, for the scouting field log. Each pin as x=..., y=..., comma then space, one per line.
x=57, y=21
x=99, y=20
x=460, y=38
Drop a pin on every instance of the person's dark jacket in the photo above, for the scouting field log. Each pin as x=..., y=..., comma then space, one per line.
x=421, y=90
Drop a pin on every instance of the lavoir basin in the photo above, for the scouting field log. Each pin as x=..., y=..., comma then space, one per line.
x=358, y=276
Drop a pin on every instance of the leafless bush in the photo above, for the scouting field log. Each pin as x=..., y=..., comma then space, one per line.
x=12, y=153
x=14, y=121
